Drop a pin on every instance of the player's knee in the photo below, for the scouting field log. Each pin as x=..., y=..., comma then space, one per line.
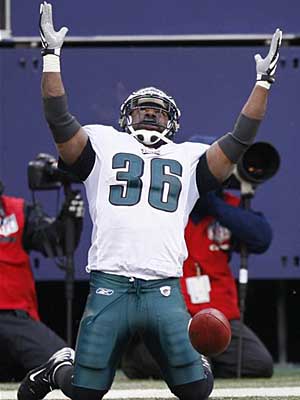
x=198, y=390
x=79, y=393
x=262, y=367
x=266, y=368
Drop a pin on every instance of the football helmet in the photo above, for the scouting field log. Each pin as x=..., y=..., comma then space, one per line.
x=150, y=97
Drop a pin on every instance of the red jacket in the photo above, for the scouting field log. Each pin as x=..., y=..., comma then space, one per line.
x=17, y=287
x=207, y=244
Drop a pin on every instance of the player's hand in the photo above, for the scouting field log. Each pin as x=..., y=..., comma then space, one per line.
x=266, y=67
x=51, y=39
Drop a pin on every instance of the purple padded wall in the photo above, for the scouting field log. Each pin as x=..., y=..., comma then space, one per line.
x=156, y=17
x=210, y=95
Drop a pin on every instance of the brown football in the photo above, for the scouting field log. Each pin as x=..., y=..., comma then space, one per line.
x=209, y=332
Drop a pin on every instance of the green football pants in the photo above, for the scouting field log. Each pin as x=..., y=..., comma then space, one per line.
x=118, y=307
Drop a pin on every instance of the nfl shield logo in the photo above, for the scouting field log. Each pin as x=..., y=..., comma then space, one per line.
x=165, y=290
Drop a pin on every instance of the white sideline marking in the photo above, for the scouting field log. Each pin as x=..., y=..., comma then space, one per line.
x=166, y=394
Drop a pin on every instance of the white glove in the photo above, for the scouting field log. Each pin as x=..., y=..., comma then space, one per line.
x=266, y=67
x=51, y=40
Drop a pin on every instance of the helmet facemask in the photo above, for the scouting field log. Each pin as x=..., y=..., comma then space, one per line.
x=153, y=132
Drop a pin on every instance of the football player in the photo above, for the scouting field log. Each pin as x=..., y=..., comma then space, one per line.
x=141, y=188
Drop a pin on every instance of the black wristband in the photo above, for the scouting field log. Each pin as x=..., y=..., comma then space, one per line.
x=62, y=124
x=55, y=52
x=268, y=78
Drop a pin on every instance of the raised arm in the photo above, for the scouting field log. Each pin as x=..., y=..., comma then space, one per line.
x=70, y=138
x=226, y=152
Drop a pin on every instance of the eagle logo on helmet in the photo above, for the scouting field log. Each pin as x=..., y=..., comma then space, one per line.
x=156, y=99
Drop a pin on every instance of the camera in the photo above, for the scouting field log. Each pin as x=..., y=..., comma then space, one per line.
x=44, y=174
x=259, y=163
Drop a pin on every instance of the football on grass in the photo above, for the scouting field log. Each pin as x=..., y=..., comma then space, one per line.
x=209, y=332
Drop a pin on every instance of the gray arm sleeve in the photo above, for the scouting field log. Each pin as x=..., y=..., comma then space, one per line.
x=236, y=143
x=62, y=124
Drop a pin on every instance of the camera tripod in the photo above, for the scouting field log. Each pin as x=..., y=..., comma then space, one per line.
x=243, y=282
x=69, y=269
x=259, y=163
x=44, y=174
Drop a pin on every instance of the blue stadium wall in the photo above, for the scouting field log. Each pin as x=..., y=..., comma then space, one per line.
x=210, y=82
x=156, y=17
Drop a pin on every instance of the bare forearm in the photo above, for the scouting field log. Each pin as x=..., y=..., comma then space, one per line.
x=256, y=104
x=52, y=85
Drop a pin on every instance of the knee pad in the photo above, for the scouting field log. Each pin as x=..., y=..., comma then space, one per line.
x=198, y=390
x=80, y=393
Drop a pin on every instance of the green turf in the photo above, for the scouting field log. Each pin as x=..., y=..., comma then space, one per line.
x=284, y=375
x=288, y=375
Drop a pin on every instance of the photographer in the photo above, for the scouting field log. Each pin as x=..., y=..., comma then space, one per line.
x=25, y=341
x=218, y=226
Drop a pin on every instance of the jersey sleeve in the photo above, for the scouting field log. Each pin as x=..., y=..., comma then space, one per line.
x=102, y=138
x=203, y=179
x=196, y=153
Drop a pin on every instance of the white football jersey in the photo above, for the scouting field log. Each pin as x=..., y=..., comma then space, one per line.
x=139, y=201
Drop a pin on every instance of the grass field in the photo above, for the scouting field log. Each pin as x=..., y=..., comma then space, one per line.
x=285, y=384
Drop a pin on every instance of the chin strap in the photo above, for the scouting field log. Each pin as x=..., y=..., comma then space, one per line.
x=144, y=135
